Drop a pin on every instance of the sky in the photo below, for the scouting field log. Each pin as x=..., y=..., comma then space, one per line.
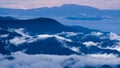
x=28, y=4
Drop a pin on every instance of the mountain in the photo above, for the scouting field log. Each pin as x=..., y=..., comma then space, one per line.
x=8, y=11
x=48, y=36
x=62, y=11
x=41, y=25
x=7, y=18
x=37, y=26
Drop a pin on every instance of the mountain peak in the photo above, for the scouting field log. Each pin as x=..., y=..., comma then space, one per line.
x=78, y=6
x=8, y=18
x=38, y=25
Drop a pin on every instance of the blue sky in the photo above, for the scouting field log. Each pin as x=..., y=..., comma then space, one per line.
x=27, y=4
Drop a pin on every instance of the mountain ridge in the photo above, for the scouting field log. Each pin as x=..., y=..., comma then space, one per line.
x=42, y=25
x=54, y=39
x=64, y=10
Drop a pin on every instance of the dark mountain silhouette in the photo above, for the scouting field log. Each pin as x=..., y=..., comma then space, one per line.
x=47, y=46
x=7, y=18
x=40, y=25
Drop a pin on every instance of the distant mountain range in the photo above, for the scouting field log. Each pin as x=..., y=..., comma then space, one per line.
x=47, y=40
x=67, y=10
x=48, y=36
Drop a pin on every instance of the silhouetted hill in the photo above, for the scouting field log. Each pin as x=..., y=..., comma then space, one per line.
x=36, y=26
x=8, y=18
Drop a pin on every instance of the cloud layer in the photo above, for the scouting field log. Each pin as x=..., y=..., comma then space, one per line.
x=27, y=4
x=54, y=61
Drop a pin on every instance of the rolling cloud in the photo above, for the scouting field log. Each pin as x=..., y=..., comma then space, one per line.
x=22, y=60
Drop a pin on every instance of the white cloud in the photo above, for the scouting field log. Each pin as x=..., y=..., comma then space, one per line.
x=63, y=39
x=68, y=34
x=21, y=31
x=4, y=36
x=116, y=47
x=54, y=61
x=114, y=36
x=76, y=49
x=96, y=33
x=17, y=40
x=25, y=38
x=90, y=43
x=45, y=36
x=103, y=55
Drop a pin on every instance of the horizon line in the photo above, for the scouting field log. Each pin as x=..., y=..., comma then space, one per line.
x=55, y=6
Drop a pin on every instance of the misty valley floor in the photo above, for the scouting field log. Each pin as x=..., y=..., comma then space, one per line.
x=22, y=60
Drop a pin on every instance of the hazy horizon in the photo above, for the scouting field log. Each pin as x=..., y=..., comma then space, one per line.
x=29, y=4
